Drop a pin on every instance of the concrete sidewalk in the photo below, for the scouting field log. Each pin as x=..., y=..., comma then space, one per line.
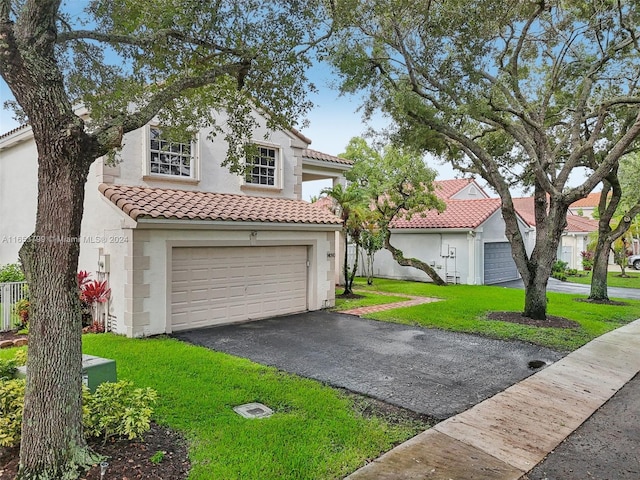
x=505, y=436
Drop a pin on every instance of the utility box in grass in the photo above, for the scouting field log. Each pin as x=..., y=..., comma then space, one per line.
x=95, y=370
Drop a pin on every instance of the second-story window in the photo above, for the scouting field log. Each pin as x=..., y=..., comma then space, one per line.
x=169, y=157
x=262, y=167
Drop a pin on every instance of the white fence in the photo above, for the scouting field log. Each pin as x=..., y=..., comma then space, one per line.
x=10, y=293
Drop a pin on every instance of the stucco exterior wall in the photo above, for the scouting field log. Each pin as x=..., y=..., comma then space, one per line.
x=571, y=246
x=146, y=278
x=18, y=198
x=212, y=176
x=448, y=252
x=456, y=254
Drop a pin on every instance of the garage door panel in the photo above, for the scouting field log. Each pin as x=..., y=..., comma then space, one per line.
x=212, y=285
x=499, y=265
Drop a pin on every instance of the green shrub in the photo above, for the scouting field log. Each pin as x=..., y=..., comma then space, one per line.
x=114, y=409
x=11, y=405
x=559, y=267
x=21, y=309
x=118, y=409
x=11, y=272
x=7, y=368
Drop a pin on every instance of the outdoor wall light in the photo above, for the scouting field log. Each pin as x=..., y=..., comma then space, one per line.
x=103, y=469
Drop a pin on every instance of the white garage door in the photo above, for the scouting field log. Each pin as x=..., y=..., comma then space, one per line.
x=498, y=263
x=214, y=285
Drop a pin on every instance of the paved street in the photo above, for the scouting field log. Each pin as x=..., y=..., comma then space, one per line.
x=577, y=289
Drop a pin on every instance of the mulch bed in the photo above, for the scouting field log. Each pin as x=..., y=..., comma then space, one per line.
x=601, y=302
x=10, y=336
x=128, y=459
x=518, y=317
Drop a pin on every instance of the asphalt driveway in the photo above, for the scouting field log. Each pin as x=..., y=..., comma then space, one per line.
x=432, y=372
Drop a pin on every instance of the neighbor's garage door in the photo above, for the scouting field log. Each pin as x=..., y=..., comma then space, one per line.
x=498, y=263
x=213, y=285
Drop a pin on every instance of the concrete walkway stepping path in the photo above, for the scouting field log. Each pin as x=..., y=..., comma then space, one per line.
x=505, y=436
x=412, y=302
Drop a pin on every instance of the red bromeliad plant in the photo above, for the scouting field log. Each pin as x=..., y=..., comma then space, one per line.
x=95, y=291
x=83, y=278
x=92, y=293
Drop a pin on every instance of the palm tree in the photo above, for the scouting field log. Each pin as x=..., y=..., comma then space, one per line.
x=348, y=204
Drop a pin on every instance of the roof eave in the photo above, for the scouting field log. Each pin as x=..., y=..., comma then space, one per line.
x=189, y=224
x=16, y=136
x=314, y=162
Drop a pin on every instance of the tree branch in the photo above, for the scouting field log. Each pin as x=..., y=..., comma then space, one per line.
x=144, y=40
x=128, y=122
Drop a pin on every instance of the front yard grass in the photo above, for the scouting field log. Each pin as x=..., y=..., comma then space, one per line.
x=317, y=432
x=613, y=279
x=464, y=309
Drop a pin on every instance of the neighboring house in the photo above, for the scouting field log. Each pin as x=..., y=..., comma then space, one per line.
x=465, y=244
x=586, y=207
x=184, y=243
x=574, y=237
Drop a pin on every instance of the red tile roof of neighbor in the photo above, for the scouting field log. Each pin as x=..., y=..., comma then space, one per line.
x=459, y=214
x=448, y=188
x=590, y=201
x=323, y=202
x=316, y=155
x=575, y=223
x=524, y=207
x=160, y=203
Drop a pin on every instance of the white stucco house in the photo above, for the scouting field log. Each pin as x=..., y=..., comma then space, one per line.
x=465, y=243
x=575, y=236
x=184, y=243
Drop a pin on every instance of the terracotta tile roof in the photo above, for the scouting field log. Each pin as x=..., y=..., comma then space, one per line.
x=524, y=207
x=590, y=201
x=448, y=188
x=160, y=203
x=459, y=214
x=576, y=223
x=315, y=155
x=323, y=202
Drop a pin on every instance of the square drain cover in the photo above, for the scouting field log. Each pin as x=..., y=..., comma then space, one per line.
x=253, y=410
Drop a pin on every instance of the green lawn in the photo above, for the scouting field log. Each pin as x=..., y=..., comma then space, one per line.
x=464, y=309
x=613, y=279
x=317, y=432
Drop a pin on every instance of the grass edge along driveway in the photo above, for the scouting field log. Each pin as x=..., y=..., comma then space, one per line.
x=316, y=432
x=464, y=309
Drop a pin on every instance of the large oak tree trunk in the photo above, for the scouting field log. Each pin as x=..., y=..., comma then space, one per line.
x=535, y=298
x=551, y=219
x=53, y=444
x=599, y=290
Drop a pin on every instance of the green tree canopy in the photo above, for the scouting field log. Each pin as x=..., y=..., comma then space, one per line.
x=397, y=184
x=520, y=93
